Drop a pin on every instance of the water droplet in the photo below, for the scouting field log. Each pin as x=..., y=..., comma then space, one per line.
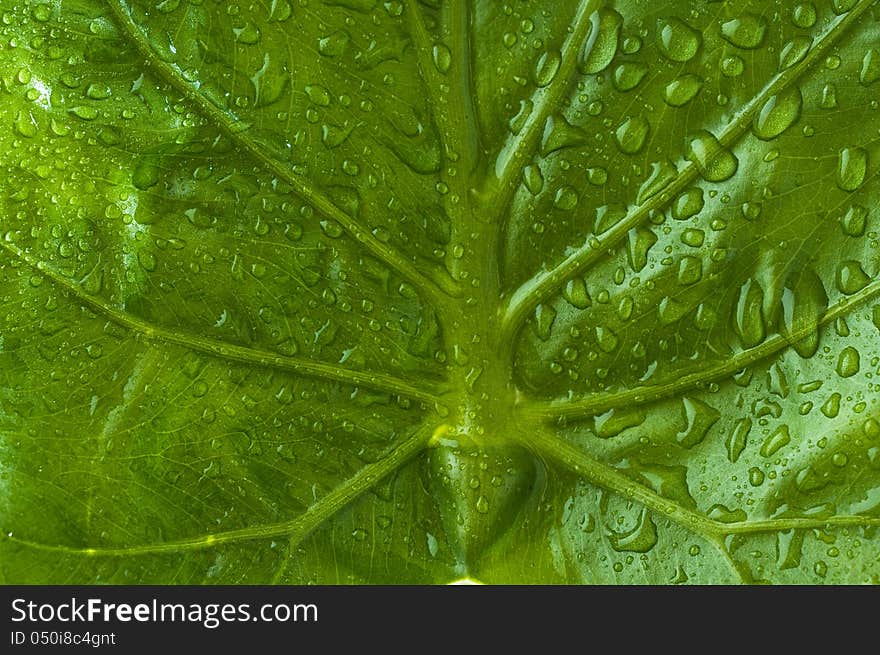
x=854, y=222
x=778, y=439
x=629, y=75
x=745, y=32
x=842, y=6
x=831, y=407
x=690, y=270
x=147, y=261
x=848, y=362
x=566, y=198
x=632, y=134
x=334, y=44
x=693, y=237
x=715, y=163
x=678, y=41
x=804, y=15
x=804, y=302
x=756, y=476
x=690, y=203
x=662, y=174
x=699, y=419
x=722, y=514
x=851, y=278
x=682, y=90
x=852, y=166
x=829, y=97
x=607, y=216
x=546, y=67
x=640, y=539
x=442, y=57
x=576, y=293
x=601, y=44
x=732, y=66
x=614, y=421
x=607, y=339
x=544, y=317
x=518, y=122
x=533, y=179
x=318, y=95
x=794, y=51
x=738, y=438
x=747, y=321
x=870, y=71
x=778, y=114
x=559, y=133
x=85, y=113
x=639, y=243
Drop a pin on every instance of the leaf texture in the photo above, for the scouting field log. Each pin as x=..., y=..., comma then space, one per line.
x=349, y=291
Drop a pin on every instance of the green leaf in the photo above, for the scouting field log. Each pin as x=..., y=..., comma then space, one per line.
x=348, y=291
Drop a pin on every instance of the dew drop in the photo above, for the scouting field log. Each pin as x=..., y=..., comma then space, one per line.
x=442, y=57
x=851, y=278
x=632, y=134
x=601, y=44
x=870, y=71
x=678, y=41
x=690, y=203
x=848, y=362
x=852, y=166
x=629, y=75
x=682, y=90
x=854, y=222
x=715, y=163
x=546, y=67
x=780, y=438
x=745, y=32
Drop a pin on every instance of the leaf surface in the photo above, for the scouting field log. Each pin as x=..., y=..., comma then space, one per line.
x=341, y=291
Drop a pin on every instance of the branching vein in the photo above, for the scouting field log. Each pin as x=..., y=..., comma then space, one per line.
x=545, y=283
x=296, y=529
x=222, y=350
x=436, y=287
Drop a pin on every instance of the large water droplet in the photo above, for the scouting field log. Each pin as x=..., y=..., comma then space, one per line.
x=546, y=67
x=780, y=438
x=778, y=114
x=640, y=539
x=748, y=322
x=851, y=278
x=639, y=242
x=576, y=293
x=848, y=362
x=678, y=41
x=629, y=75
x=870, y=71
x=690, y=203
x=794, y=51
x=559, y=133
x=615, y=421
x=746, y=32
x=682, y=90
x=699, y=419
x=854, y=222
x=738, y=438
x=715, y=162
x=601, y=44
x=852, y=166
x=804, y=303
x=632, y=134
